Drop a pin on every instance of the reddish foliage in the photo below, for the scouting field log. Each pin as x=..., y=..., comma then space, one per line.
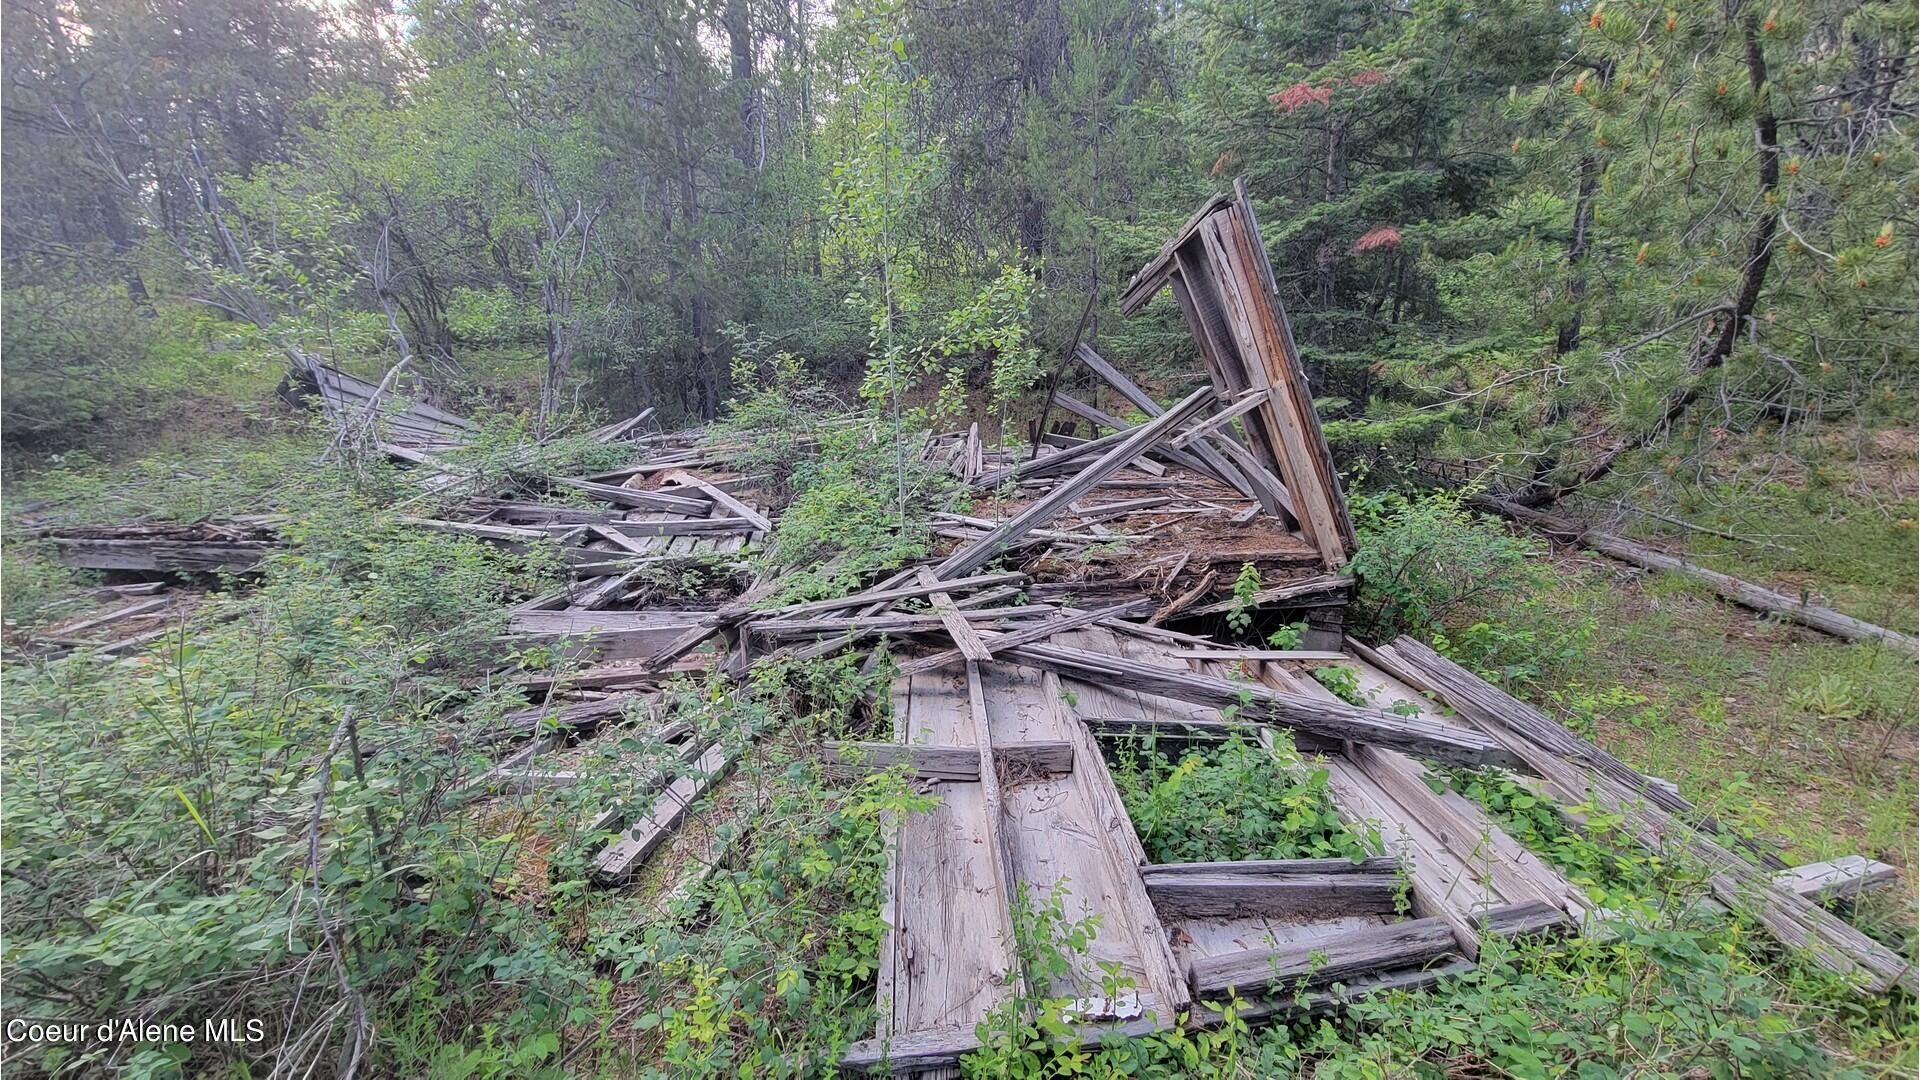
x=1300, y=95
x=1367, y=78
x=1386, y=236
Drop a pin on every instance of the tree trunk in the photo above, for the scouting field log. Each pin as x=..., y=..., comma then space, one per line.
x=1716, y=344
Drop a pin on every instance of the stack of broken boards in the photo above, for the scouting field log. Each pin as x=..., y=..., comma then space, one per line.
x=1026, y=799
x=230, y=547
x=409, y=427
x=679, y=507
x=1159, y=532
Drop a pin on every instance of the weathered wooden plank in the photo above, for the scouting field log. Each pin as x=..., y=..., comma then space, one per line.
x=669, y=526
x=949, y=958
x=1308, y=657
x=614, y=635
x=644, y=500
x=1867, y=965
x=721, y=498
x=1325, y=961
x=1250, y=324
x=612, y=432
x=1068, y=620
x=953, y=763
x=965, y=638
x=904, y=592
x=1526, y=921
x=1204, y=429
x=1227, y=890
x=1287, y=365
x=193, y=556
x=625, y=854
x=893, y=622
x=131, y=611
x=1335, y=720
x=1838, y=879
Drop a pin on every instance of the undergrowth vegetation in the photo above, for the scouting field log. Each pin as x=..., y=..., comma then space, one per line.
x=1237, y=800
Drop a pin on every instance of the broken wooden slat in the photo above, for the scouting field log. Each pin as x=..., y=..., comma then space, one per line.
x=955, y=763
x=1290, y=656
x=1324, y=588
x=621, y=857
x=958, y=628
x=721, y=498
x=614, y=635
x=904, y=592
x=1246, y=403
x=726, y=618
x=970, y=557
x=614, y=431
x=668, y=526
x=643, y=500
x=890, y=622
x=1526, y=921
x=1838, y=879
x=1324, y=961
x=1069, y=620
x=1231, y=473
x=144, y=607
x=205, y=557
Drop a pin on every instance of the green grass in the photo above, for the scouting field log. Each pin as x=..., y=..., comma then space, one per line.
x=1801, y=737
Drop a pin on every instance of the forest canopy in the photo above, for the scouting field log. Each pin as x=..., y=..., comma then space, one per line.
x=1527, y=237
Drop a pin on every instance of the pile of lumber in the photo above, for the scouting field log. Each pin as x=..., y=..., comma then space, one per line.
x=206, y=547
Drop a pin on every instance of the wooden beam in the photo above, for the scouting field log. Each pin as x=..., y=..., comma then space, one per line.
x=721, y=499
x=972, y=556
x=904, y=592
x=644, y=500
x=963, y=634
x=620, y=858
x=1261, y=704
x=1069, y=620
x=1247, y=403
x=1210, y=461
x=952, y=763
x=1838, y=879
x=1324, y=588
x=1288, y=656
x=1300, y=888
x=1323, y=961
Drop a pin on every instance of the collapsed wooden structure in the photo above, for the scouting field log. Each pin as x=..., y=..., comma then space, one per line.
x=1002, y=709
x=1034, y=637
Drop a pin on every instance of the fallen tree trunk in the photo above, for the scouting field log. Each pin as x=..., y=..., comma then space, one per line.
x=1745, y=593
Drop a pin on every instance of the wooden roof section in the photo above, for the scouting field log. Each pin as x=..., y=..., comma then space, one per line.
x=1222, y=280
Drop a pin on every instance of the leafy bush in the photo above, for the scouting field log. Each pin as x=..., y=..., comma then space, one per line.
x=861, y=507
x=1422, y=558
x=772, y=426
x=1234, y=801
x=69, y=353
